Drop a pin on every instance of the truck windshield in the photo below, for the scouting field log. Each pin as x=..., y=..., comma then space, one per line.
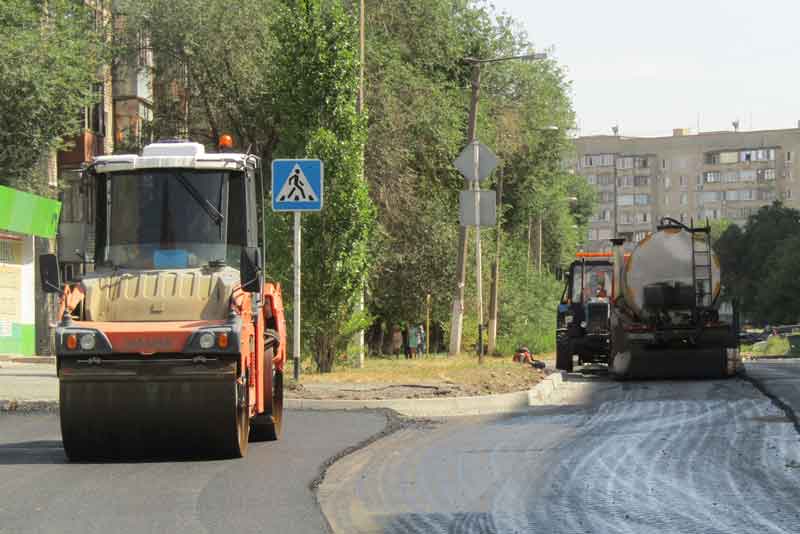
x=173, y=218
x=596, y=282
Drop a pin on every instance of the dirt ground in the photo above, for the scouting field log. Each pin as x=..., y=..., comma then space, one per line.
x=430, y=376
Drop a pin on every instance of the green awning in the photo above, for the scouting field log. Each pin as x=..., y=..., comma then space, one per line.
x=25, y=213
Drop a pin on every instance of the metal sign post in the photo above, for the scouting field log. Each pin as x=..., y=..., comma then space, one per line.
x=297, y=186
x=296, y=301
x=475, y=163
x=478, y=267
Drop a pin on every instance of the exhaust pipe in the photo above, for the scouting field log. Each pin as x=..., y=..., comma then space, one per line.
x=618, y=256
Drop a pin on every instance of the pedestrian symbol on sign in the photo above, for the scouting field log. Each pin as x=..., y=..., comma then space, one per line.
x=296, y=188
x=297, y=184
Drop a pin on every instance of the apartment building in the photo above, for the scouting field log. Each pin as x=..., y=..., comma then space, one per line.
x=710, y=175
x=116, y=122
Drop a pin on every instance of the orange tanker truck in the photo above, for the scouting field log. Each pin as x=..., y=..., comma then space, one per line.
x=174, y=342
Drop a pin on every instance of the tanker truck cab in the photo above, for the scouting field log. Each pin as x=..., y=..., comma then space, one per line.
x=173, y=342
x=582, y=321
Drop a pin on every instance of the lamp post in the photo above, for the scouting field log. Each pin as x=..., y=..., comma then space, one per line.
x=457, y=316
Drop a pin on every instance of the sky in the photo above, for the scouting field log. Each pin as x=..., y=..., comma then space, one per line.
x=654, y=65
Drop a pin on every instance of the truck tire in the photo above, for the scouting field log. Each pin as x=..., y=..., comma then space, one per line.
x=564, y=355
x=267, y=426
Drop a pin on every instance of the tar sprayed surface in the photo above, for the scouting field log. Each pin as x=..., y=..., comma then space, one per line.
x=268, y=491
x=646, y=457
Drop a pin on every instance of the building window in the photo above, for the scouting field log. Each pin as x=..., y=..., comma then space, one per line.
x=727, y=158
x=598, y=160
x=747, y=176
x=766, y=174
x=684, y=199
x=684, y=180
x=625, y=163
x=640, y=163
x=643, y=217
x=712, y=159
x=788, y=194
x=663, y=164
x=642, y=200
x=667, y=182
x=709, y=196
x=789, y=155
x=638, y=236
x=641, y=181
x=625, y=200
x=769, y=196
x=712, y=177
x=742, y=194
x=603, y=234
x=591, y=179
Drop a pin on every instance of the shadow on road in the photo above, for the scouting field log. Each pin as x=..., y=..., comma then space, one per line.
x=32, y=453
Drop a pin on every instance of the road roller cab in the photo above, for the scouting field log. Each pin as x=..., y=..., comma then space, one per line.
x=173, y=341
x=582, y=321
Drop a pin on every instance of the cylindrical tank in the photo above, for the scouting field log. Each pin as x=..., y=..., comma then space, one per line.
x=665, y=258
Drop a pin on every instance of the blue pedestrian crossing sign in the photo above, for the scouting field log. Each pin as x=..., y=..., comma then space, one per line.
x=297, y=184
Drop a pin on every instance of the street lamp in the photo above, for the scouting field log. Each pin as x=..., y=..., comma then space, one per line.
x=457, y=317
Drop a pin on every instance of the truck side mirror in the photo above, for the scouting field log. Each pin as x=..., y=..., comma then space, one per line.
x=250, y=269
x=49, y=273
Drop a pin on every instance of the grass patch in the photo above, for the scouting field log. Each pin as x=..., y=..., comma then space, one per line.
x=773, y=346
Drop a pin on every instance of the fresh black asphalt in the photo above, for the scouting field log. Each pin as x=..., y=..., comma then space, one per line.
x=268, y=491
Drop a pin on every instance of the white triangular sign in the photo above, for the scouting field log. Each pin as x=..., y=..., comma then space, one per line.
x=296, y=188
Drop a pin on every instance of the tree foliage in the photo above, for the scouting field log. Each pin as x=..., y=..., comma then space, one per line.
x=50, y=58
x=758, y=263
x=281, y=76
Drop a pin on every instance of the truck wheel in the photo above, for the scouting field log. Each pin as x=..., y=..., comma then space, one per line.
x=564, y=355
x=267, y=426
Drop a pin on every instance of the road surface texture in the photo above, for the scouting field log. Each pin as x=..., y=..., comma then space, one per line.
x=268, y=491
x=630, y=457
x=779, y=378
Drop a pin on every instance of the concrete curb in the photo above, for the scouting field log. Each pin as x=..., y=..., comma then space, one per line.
x=28, y=359
x=516, y=402
x=27, y=406
x=505, y=403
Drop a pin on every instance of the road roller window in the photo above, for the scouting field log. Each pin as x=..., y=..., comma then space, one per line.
x=172, y=219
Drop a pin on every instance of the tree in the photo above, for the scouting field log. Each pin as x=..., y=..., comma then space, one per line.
x=317, y=95
x=50, y=57
x=776, y=299
x=754, y=262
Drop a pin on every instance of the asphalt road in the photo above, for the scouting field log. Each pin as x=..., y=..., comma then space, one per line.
x=778, y=377
x=266, y=492
x=632, y=457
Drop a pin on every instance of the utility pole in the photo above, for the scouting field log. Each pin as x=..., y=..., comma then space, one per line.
x=457, y=316
x=359, y=110
x=615, y=129
x=495, y=292
x=539, y=244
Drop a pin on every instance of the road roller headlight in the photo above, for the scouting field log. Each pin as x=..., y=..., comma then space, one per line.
x=206, y=340
x=88, y=341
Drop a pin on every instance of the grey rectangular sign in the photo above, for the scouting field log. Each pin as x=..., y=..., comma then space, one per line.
x=488, y=208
